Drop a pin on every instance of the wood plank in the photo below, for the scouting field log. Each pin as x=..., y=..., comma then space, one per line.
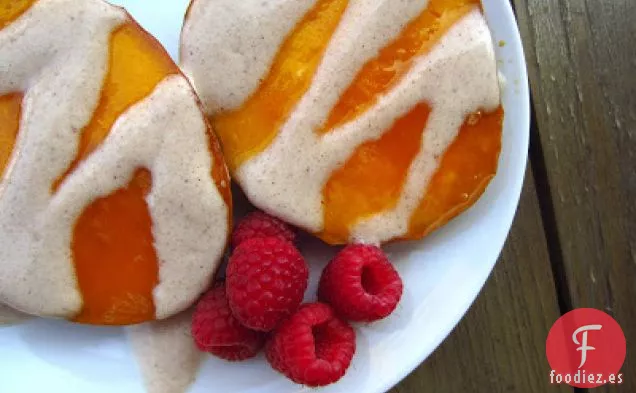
x=500, y=345
x=582, y=60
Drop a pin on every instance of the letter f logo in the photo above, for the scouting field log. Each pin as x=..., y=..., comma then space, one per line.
x=583, y=344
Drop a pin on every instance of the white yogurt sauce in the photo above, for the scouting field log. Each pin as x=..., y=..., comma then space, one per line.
x=168, y=358
x=58, y=56
x=60, y=68
x=456, y=78
x=247, y=35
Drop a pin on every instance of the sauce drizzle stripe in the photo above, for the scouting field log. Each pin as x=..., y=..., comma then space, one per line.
x=250, y=129
x=382, y=72
x=371, y=180
x=137, y=63
x=463, y=174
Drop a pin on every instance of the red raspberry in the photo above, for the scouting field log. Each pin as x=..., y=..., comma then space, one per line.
x=312, y=347
x=266, y=281
x=361, y=284
x=259, y=224
x=216, y=331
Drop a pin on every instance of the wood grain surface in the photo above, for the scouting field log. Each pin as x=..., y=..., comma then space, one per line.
x=582, y=66
x=499, y=346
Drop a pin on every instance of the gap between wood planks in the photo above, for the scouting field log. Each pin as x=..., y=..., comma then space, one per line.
x=548, y=217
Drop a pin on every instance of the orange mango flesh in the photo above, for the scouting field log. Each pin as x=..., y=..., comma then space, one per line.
x=250, y=129
x=112, y=247
x=371, y=180
x=379, y=74
x=115, y=259
x=10, y=107
x=11, y=10
x=464, y=172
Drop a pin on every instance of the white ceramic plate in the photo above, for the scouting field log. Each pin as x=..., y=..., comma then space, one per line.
x=442, y=274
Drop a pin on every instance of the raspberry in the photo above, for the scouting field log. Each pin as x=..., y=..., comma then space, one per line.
x=259, y=224
x=266, y=281
x=312, y=347
x=361, y=284
x=216, y=331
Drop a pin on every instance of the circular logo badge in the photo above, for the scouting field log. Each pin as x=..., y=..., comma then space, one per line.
x=586, y=348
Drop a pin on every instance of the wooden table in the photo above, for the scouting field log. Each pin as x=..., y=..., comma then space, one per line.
x=573, y=242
